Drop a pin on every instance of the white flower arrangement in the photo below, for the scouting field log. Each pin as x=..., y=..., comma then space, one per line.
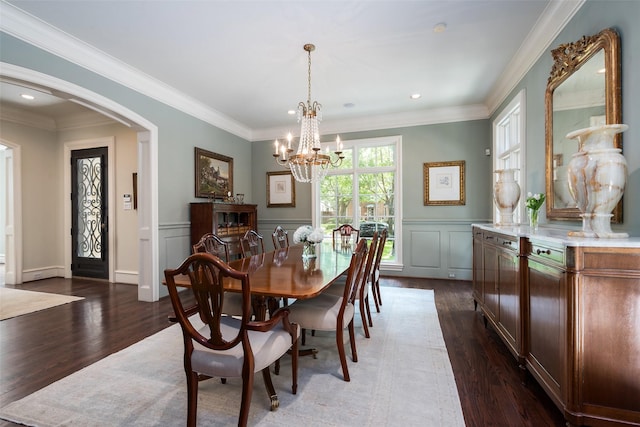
x=306, y=233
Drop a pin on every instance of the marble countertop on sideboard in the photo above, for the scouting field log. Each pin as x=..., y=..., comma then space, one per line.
x=559, y=235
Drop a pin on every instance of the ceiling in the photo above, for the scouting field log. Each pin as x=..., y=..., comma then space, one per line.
x=244, y=60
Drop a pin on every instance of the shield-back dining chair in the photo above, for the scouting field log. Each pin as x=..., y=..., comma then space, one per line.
x=251, y=243
x=345, y=236
x=223, y=346
x=212, y=244
x=363, y=287
x=375, y=271
x=334, y=313
x=280, y=238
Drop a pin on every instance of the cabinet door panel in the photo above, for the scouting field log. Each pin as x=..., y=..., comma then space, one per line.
x=547, y=322
x=509, y=295
x=490, y=254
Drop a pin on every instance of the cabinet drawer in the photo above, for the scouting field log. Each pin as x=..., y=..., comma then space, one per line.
x=550, y=254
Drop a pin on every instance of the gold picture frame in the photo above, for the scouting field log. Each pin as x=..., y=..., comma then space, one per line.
x=281, y=190
x=213, y=174
x=444, y=183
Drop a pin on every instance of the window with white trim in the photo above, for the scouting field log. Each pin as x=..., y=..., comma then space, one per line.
x=364, y=191
x=509, y=148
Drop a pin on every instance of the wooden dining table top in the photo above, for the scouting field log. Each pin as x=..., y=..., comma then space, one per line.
x=284, y=273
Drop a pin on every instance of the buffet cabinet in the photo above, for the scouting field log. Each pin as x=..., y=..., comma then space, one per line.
x=569, y=311
x=227, y=220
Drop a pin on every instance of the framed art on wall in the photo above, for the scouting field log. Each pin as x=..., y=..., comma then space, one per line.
x=213, y=174
x=281, y=190
x=444, y=183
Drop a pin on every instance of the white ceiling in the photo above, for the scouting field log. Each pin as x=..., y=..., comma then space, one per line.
x=244, y=61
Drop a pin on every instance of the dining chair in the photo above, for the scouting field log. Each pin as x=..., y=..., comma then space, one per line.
x=226, y=346
x=375, y=270
x=337, y=288
x=280, y=238
x=251, y=243
x=334, y=313
x=342, y=236
x=212, y=244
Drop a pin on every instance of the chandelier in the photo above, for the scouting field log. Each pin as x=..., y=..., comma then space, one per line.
x=308, y=163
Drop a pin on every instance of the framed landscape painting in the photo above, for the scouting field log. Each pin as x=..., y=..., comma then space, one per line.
x=444, y=183
x=213, y=174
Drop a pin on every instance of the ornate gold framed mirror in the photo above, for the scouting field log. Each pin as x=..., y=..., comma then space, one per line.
x=583, y=90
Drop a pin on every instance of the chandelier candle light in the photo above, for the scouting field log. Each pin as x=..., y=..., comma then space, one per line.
x=308, y=164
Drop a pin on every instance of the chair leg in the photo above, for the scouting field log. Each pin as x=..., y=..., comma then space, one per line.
x=343, y=358
x=352, y=338
x=192, y=398
x=295, y=352
x=378, y=292
x=363, y=315
x=271, y=391
x=245, y=403
x=376, y=296
x=366, y=306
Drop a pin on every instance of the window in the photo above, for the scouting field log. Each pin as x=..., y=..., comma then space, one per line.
x=365, y=192
x=509, y=147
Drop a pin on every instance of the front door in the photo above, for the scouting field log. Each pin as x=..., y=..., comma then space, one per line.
x=89, y=232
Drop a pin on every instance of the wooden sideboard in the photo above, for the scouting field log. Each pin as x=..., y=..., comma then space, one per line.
x=229, y=221
x=569, y=311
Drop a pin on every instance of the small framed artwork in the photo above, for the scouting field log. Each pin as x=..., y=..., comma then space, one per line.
x=444, y=183
x=281, y=190
x=213, y=174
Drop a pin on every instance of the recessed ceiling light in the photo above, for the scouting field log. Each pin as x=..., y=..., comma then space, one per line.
x=291, y=112
x=27, y=96
x=440, y=27
x=415, y=96
x=601, y=71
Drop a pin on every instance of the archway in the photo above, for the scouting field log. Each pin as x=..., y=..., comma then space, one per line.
x=148, y=268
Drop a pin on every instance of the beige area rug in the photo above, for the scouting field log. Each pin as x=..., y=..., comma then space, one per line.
x=403, y=378
x=16, y=302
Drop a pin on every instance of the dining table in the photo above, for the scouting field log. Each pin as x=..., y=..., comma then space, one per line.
x=285, y=273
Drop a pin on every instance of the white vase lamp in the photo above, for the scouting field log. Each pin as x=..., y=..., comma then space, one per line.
x=597, y=177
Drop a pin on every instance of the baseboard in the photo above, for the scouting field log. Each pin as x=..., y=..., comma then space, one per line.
x=42, y=273
x=126, y=277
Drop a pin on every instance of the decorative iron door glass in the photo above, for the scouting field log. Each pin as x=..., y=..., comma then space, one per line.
x=88, y=210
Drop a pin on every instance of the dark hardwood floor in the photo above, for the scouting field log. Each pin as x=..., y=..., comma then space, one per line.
x=40, y=348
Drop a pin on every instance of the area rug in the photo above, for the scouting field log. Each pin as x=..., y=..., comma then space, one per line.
x=16, y=302
x=403, y=377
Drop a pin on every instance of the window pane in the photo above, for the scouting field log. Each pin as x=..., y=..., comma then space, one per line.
x=336, y=207
x=376, y=156
x=376, y=192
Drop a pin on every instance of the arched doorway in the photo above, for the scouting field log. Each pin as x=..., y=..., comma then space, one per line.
x=147, y=137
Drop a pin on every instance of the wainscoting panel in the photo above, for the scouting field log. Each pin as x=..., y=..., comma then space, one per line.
x=425, y=249
x=439, y=249
x=174, y=247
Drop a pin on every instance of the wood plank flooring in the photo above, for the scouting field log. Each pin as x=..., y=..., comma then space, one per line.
x=40, y=348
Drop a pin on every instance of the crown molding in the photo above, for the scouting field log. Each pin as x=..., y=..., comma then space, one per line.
x=553, y=19
x=36, y=32
x=40, y=34
x=26, y=118
x=386, y=121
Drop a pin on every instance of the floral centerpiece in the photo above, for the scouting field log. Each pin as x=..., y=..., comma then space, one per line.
x=534, y=203
x=309, y=237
